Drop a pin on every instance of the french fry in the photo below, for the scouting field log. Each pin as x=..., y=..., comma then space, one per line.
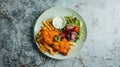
x=50, y=25
x=44, y=23
x=50, y=20
x=39, y=39
x=72, y=43
x=45, y=28
x=42, y=48
x=55, y=52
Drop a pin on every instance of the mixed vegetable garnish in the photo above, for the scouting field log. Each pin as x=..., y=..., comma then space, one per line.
x=72, y=30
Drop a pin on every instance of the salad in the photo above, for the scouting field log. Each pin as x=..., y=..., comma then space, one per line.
x=72, y=28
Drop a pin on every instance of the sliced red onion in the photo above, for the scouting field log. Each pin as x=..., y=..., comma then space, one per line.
x=70, y=26
x=73, y=35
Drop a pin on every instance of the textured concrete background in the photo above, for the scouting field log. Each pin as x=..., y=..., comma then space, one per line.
x=17, y=19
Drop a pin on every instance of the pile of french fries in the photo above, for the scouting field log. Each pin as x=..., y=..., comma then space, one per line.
x=43, y=45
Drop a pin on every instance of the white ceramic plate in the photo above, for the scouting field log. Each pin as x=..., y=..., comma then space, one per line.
x=61, y=11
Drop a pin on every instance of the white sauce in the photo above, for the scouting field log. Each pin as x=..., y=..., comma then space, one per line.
x=58, y=22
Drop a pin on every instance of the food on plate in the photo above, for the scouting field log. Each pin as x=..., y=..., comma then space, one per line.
x=55, y=38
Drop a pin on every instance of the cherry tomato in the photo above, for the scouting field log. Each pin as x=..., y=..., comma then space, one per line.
x=76, y=29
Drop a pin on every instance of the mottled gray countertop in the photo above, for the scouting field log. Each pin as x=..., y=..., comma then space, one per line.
x=101, y=49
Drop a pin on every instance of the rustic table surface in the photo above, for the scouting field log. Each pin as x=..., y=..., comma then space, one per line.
x=101, y=49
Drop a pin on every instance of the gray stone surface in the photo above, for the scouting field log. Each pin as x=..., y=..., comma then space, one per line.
x=17, y=47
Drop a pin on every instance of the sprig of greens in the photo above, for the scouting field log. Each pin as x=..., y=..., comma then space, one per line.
x=57, y=38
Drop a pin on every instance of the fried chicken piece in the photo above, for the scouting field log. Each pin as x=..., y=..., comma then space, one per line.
x=48, y=36
x=62, y=46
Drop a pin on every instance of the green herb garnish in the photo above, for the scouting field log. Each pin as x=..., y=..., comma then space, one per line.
x=57, y=38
